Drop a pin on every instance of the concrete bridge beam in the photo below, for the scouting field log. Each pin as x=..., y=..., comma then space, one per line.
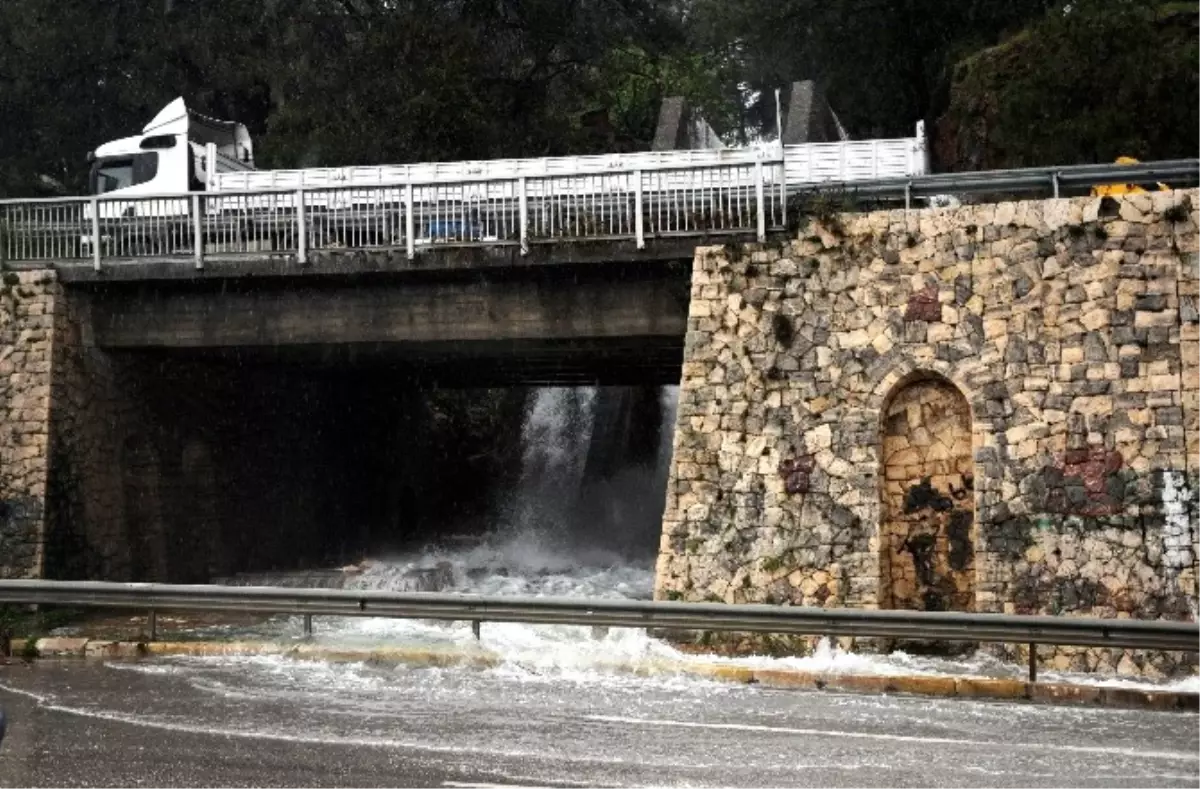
x=492, y=311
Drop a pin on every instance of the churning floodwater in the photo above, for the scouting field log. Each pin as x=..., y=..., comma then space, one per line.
x=583, y=521
x=593, y=477
x=584, y=517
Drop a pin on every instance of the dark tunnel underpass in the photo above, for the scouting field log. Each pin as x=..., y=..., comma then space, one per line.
x=191, y=466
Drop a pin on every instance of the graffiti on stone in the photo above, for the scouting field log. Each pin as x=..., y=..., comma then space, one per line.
x=923, y=305
x=797, y=473
x=924, y=496
x=958, y=533
x=1085, y=482
x=929, y=522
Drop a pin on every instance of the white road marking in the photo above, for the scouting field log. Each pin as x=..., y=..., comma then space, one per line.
x=490, y=786
x=755, y=727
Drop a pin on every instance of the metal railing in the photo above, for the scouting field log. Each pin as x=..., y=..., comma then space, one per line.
x=665, y=201
x=740, y=198
x=1176, y=172
x=658, y=615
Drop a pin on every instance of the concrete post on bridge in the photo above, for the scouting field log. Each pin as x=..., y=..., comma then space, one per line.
x=681, y=128
x=809, y=117
x=806, y=113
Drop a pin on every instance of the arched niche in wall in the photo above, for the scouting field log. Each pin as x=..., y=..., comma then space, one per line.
x=927, y=530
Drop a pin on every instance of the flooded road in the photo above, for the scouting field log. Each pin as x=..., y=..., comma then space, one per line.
x=270, y=721
x=548, y=712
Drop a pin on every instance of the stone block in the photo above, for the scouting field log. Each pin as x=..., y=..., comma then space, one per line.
x=1144, y=320
x=818, y=438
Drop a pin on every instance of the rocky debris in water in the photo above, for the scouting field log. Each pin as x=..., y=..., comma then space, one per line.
x=358, y=569
x=294, y=579
x=429, y=579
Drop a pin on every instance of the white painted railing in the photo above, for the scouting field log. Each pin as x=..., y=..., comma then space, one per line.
x=854, y=161
x=500, y=201
x=744, y=197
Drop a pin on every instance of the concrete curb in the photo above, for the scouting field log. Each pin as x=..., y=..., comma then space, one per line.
x=915, y=685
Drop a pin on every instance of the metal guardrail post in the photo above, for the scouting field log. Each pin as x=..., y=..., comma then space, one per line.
x=1032, y=662
x=523, y=213
x=759, y=190
x=1054, y=183
x=95, y=234
x=153, y=625
x=301, y=229
x=410, y=222
x=197, y=233
x=308, y=625
x=908, y=196
x=639, y=222
x=476, y=626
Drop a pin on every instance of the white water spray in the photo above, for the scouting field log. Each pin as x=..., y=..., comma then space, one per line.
x=558, y=533
x=556, y=436
x=668, y=400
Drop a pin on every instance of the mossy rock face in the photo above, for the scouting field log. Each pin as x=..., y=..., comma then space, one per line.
x=1107, y=79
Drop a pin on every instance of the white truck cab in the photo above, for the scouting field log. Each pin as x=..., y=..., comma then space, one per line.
x=174, y=154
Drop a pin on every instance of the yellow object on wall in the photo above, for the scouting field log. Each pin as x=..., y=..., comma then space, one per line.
x=1104, y=190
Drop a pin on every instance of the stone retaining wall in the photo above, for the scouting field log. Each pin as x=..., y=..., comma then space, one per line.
x=26, y=326
x=991, y=407
x=168, y=469
x=133, y=466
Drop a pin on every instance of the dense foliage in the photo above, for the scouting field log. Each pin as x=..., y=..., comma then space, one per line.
x=1125, y=82
x=367, y=81
x=883, y=62
x=333, y=81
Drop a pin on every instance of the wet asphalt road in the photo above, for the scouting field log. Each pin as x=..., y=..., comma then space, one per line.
x=272, y=722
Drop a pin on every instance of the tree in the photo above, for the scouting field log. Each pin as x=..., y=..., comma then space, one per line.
x=1087, y=83
x=60, y=91
x=320, y=82
x=883, y=62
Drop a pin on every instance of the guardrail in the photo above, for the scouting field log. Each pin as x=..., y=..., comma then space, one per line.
x=1176, y=172
x=659, y=615
x=664, y=201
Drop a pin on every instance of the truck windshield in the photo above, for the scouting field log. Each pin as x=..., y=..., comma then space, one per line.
x=119, y=172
